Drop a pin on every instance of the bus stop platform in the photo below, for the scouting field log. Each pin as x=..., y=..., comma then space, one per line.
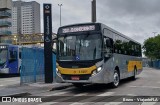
x=31, y=89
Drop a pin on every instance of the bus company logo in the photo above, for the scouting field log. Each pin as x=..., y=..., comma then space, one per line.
x=47, y=39
x=77, y=57
x=6, y=99
x=47, y=6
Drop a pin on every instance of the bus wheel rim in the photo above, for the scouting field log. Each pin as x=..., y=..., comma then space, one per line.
x=116, y=79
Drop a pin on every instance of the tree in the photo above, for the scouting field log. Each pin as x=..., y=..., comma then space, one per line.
x=151, y=47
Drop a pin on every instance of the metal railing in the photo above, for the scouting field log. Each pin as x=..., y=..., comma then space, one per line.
x=5, y=24
x=25, y=39
x=151, y=63
x=5, y=32
x=5, y=14
x=32, y=65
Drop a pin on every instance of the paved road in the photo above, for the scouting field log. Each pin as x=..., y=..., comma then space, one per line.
x=146, y=84
x=9, y=81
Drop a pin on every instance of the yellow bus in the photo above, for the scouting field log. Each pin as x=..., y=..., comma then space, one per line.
x=93, y=53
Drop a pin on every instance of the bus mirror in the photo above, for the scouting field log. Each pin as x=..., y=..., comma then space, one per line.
x=109, y=42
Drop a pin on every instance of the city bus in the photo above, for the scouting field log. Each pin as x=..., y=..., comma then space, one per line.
x=93, y=53
x=10, y=59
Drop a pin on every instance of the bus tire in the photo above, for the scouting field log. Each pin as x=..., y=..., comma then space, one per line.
x=116, y=79
x=78, y=85
x=134, y=75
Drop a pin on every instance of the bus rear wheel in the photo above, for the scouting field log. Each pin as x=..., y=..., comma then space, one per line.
x=116, y=79
x=135, y=73
x=78, y=85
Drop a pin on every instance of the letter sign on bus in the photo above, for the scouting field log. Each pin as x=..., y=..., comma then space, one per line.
x=47, y=43
x=78, y=29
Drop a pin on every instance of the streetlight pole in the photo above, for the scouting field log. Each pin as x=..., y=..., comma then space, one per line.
x=93, y=12
x=60, y=12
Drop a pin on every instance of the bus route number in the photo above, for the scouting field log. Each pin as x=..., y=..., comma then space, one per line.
x=82, y=71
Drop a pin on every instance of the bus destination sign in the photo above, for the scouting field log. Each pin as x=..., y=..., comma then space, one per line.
x=78, y=29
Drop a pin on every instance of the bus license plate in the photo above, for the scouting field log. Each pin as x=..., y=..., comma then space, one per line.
x=75, y=77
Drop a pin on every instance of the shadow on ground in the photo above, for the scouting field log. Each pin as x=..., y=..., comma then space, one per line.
x=101, y=87
x=9, y=75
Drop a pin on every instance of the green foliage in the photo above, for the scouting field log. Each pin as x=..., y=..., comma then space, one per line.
x=151, y=47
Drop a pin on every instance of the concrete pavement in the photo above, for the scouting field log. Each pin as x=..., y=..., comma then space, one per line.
x=12, y=87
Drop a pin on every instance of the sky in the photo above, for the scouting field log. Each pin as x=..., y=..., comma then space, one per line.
x=137, y=19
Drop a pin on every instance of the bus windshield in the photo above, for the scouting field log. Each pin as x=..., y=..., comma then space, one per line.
x=80, y=47
x=3, y=56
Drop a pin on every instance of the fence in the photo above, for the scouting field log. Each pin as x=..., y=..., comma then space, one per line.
x=32, y=66
x=151, y=63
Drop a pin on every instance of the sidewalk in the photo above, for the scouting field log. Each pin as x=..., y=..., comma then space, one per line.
x=31, y=89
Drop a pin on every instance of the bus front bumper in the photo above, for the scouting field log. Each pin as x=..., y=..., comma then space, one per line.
x=98, y=78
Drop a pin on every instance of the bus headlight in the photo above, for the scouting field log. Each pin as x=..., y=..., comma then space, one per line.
x=96, y=71
x=99, y=69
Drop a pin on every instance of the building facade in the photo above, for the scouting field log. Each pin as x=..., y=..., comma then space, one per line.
x=25, y=17
x=5, y=17
x=5, y=20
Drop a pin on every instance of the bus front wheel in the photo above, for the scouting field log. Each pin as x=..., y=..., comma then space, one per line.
x=116, y=79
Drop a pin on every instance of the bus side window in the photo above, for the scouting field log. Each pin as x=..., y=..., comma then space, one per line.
x=13, y=56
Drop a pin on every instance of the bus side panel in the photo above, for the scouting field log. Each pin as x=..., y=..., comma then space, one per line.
x=109, y=70
x=13, y=67
x=13, y=64
x=130, y=66
x=120, y=61
x=127, y=64
x=135, y=63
